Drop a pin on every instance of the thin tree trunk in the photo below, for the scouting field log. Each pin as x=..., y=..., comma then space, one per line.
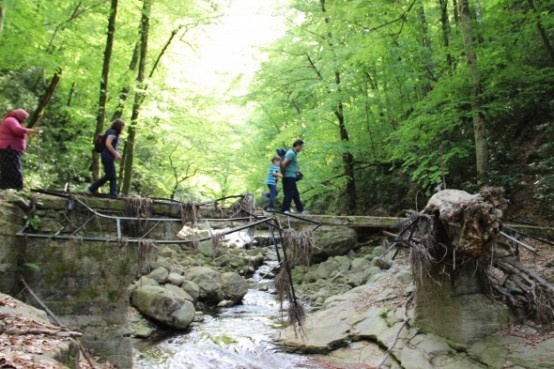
x=130, y=144
x=456, y=14
x=542, y=31
x=45, y=100
x=71, y=93
x=104, y=82
x=2, y=17
x=445, y=25
x=481, y=151
x=347, y=157
x=426, y=43
x=124, y=93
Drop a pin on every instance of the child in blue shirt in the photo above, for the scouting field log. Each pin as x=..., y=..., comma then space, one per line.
x=272, y=179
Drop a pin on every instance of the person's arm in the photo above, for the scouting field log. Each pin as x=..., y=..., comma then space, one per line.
x=284, y=164
x=18, y=130
x=110, y=148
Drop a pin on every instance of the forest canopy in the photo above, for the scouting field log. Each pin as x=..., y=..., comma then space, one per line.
x=391, y=97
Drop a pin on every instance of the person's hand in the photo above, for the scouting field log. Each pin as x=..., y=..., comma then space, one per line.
x=118, y=156
x=34, y=130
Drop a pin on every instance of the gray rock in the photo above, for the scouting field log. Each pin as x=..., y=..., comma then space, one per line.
x=234, y=286
x=333, y=241
x=209, y=282
x=381, y=263
x=179, y=292
x=344, y=263
x=191, y=289
x=326, y=269
x=67, y=353
x=163, y=305
x=175, y=279
x=138, y=325
x=142, y=281
x=225, y=303
x=166, y=252
x=207, y=249
x=378, y=251
x=177, y=270
x=159, y=274
x=359, y=265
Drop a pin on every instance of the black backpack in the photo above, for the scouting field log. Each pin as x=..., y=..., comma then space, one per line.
x=281, y=152
x=99, y=143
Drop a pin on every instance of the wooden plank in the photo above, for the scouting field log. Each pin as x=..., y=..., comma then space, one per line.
x=370, y=222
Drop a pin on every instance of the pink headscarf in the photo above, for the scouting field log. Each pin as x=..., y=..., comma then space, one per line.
x=18, y=114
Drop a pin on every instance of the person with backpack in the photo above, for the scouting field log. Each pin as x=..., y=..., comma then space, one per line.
x=107, y=146
x=291, y=174
x=272, y=179
x=13, y=142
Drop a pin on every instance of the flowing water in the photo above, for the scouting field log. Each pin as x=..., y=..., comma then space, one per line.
x=239, y=337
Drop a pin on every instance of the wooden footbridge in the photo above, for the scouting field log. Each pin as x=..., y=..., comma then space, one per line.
x=235, y=213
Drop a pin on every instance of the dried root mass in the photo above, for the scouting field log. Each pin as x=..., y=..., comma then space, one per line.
x=458, y=234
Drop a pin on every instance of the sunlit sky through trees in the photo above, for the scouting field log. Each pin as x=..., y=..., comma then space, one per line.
x=221, y=59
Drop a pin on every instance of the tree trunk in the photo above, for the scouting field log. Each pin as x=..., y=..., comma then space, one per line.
x=445, y=25
x=45, y=100
x=130, y=144
x=101, y=117
x=124, y=93
x=2, y=17
x=479, y=131
x=71, y=93
x=456, y=14
x=426, y=43
x=347, y=157
x=542, y=31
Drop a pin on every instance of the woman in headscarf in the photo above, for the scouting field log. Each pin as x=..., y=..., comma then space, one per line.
x=13, y=142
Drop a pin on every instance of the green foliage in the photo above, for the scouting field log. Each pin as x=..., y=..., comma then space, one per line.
x=32, y=266
x=393, y=69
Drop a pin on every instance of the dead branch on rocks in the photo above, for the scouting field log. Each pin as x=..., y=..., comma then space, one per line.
x=405, y=322
x=38, y=331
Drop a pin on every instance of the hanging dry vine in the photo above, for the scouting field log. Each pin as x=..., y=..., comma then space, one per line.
x=300, y=244
x=140, y=207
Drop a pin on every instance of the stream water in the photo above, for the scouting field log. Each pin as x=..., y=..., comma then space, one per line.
x=239, y=337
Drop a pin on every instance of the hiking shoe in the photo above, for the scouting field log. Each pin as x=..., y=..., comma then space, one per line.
x=304, y=212
x=287, y=212
x=270, y=209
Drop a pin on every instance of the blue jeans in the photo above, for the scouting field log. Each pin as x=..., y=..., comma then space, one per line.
x=272, y=195
x=291, y=193
x=108, y=162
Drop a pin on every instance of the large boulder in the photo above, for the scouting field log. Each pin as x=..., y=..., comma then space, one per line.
x=333, y=241
x=163, y=305
x=175, y=279
x=209, y=283
x=159, y=274
x=191, y=289
x=234, y=286
x=210, y=286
